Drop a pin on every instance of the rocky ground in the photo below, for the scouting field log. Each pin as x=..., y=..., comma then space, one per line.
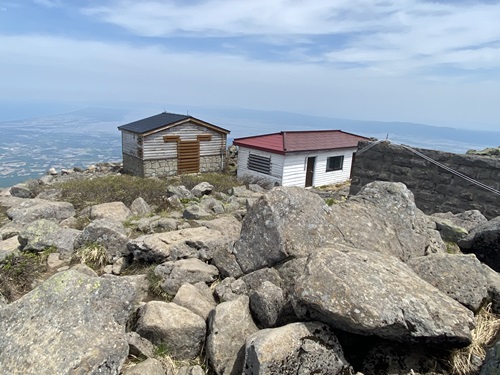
x=248, y=281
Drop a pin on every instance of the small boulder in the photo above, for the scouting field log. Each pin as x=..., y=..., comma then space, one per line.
x=150, y=366
x=34, y=209
x=192, y=270
x=116, y=211
x=179, y=191
x=297, y=348
x=266, y=303
x=189, y=296
x=195, y=212
x=9, y=247
x=229, y=326
x=203, y=188
x=459, y=276
x=140, y=207
x=484, y=241
x=180, y=330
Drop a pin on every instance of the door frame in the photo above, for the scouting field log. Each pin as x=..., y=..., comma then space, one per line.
x=310, y=165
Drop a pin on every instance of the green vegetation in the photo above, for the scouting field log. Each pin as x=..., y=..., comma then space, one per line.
x=19, y=272
x=155, y=285
x=93, y=255
x=86, y=192
x=221, y=182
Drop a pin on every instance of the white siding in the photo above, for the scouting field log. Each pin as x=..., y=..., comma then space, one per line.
x=155, y=148
x=294, y=169
x=130, y=143
x=276, y=164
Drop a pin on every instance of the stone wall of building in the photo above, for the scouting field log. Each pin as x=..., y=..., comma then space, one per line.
x=133, y=165
x=211, y=163
x=435, y=189
x=160, y=167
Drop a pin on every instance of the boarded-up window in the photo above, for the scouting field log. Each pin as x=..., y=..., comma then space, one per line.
x=259, y=163
x=335, y=163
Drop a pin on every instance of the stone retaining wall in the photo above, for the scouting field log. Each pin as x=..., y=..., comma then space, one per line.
x=435, y=189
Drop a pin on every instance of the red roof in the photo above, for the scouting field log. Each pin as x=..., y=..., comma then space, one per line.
x=296, y=141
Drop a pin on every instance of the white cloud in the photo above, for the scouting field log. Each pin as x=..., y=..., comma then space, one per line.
x=388, y=36
x=40, y=67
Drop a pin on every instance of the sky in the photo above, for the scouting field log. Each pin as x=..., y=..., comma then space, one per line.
x=431, y=62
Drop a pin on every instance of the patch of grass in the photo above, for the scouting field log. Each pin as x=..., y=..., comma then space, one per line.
x=18, y=273
x=155, y=285
x=85, y=192
x=452, y=248
x=221, y=182
x=463, y=361
x=93, y=255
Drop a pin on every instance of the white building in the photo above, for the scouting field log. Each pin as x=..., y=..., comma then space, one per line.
x=298, y=158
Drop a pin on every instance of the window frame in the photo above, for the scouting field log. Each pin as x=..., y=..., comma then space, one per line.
x=333, y=168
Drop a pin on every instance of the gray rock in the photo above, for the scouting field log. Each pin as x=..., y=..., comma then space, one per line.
x=9, y=247
x=195, y=212
x=139, y=346
x=10, y=230
x=54, y=261
x=180, y=330
x=175, y=203
x=230, y=289
x=212, y=205
x=449, y=231
x=289, y=272
x=22, y=190
x=467, y=219
x=243, y=192
x=256, y=278
x=225, y=261
x=176, y=273
x=297, y=348
x=229, y=326
x=266, y=304
x=286, y=222
x=190, y=370
x=461, y=277
x=493, y=285
x=165, y=224
x=108, y=233
x=370, y=293
x=34, y=209
x=140, y=207
x=191, y=242
x=484, y=241
x=203, y=188
x=399, y=358
x=150, y=366
x=205, y=291
x=116, y=211
x=179, y=191
x=50, y=194
x=70, y=324
x=42, y=234
x=189, y=296
x=491, y=365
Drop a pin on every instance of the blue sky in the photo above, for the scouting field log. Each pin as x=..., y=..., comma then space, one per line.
x=433, y=62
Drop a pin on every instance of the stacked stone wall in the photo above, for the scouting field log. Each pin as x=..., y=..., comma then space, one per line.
x=133, y=165
x=211, y=163
x=435, y=189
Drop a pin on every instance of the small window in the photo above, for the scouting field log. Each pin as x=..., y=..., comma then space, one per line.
x=259, y=163
x=335, y=163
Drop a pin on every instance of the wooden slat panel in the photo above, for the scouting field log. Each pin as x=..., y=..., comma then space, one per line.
x=188, y=157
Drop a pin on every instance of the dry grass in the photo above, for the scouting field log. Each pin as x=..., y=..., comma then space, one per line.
x=464, y=361
x=93, y=255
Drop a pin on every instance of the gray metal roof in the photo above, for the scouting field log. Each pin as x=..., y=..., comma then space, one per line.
x=153, y=122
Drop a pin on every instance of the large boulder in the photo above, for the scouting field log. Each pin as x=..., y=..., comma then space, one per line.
x=175, y=327
x=297, y=348
x=286, y=222
x=43, y=234
x=72, y=323
x=467, y=219
x=229, y=326
x=289, y=223
x=34, y=209
x=460, y=276
x=140, y=207
x=484, y=241
x=370, y=293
